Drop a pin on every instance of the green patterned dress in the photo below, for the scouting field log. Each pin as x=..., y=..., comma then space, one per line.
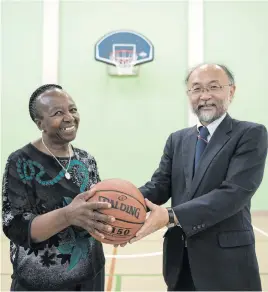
x=34, y=184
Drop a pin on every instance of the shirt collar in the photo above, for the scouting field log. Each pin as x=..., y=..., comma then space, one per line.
x=212, y=126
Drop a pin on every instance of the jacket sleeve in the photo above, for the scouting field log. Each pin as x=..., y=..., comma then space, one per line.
x=17, y=211
x=158, y=189
x=243, y=178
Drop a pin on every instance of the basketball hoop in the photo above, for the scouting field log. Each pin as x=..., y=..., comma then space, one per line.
x=124, y=60
x=123, y=52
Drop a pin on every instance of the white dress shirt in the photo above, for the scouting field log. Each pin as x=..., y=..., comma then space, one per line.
x=212, y=126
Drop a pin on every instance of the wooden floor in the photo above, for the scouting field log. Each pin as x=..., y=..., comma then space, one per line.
x=138, y=267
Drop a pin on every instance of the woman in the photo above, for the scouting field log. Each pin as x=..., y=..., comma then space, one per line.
x=46, y=215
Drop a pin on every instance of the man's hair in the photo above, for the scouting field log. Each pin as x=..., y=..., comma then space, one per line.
x=32, y=103
x=224, y=68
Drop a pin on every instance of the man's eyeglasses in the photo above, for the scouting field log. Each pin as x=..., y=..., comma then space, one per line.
x=215, y=88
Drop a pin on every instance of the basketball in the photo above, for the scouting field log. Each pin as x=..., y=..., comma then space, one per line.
x=128, y=209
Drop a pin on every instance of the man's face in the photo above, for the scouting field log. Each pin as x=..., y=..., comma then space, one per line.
x=210, y=92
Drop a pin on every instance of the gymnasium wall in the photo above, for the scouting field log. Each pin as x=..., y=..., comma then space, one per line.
x=125, y=121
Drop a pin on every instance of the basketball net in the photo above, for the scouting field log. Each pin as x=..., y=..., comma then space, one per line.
x=124, y=61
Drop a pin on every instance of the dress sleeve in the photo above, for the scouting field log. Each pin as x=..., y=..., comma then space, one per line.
x=17, y=210
x=96, y=175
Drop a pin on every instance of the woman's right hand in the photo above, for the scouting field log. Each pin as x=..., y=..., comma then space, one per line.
x=85, y=214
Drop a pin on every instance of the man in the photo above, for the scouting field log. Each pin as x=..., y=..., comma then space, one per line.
x=210, y=172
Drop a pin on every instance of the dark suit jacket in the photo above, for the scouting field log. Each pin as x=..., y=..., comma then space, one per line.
x=213, y=207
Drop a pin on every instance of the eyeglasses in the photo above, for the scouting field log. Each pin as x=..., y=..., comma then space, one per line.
x=215, y=88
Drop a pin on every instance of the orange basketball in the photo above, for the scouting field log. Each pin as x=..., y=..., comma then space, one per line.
x=128, y=209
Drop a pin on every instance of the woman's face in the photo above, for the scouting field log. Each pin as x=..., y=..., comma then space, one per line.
x=59, y=118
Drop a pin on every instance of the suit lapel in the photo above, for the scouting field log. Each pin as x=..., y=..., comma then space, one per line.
x=188, y=152
x=216, y=143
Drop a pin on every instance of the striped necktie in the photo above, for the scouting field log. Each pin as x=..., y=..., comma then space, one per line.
x=201, y=144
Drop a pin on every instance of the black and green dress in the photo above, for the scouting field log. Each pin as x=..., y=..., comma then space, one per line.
x=34, y=184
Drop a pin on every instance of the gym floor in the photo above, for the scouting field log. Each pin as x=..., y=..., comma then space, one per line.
x=138, y=267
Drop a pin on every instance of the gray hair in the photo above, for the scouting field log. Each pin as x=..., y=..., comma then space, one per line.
x=228, y=72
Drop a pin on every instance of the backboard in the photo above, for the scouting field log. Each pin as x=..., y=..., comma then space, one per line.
x=125, y=51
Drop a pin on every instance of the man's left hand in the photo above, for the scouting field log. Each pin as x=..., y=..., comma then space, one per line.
x=157, y=219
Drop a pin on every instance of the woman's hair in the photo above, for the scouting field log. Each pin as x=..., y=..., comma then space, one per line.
x=32, y=103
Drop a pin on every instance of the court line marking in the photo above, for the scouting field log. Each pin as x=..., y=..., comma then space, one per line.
x=112, y=269
x=118, y=283
x=260, y=231
x=139, y=255
x=152, y=254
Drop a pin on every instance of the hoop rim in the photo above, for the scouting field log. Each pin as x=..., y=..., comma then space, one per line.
x=113, y=54
x=124, y=61
x=122, y=50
